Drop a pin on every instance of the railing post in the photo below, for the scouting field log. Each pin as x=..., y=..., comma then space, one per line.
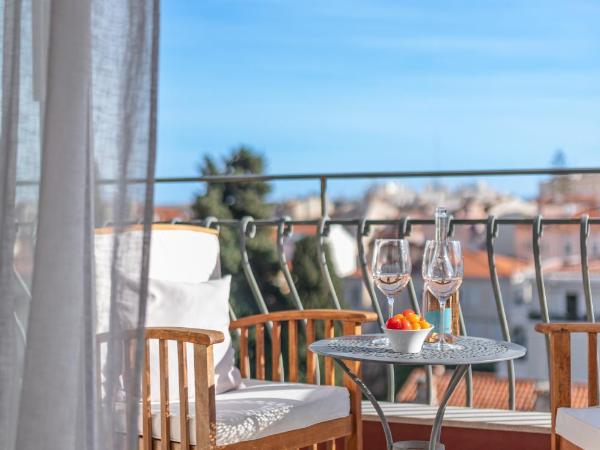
x=213, y=222
x=537, y=231
x=362, y=230
x=404, y=229
x=463, y=330
x=491, y=235
x=323, y=192
x=584, y=232
x=284, y=230
x=322, y=233
x=248, y=230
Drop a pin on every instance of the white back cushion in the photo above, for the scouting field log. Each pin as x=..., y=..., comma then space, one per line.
x=191, y=305
x=183, y=253
x=188, y=305
x=182, y=257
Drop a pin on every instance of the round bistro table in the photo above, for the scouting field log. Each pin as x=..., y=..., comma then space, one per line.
x=471, y=350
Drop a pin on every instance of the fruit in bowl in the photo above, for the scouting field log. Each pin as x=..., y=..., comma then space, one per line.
x=407, y=331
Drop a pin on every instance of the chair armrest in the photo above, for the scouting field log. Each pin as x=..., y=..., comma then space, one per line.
x=570, y=327
x=307, y=314
x=192, y=335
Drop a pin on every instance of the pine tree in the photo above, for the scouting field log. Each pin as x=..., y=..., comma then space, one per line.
x=234, y=201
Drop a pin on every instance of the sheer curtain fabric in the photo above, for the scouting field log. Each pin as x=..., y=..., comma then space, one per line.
x=77, y=151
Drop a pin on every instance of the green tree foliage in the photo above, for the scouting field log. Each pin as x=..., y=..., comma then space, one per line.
x=312, y=287
x=234, y=201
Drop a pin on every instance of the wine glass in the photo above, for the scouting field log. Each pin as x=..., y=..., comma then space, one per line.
x=443, y=273
x=391, y=268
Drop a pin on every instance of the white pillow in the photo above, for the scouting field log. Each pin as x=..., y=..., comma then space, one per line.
x=191, y=305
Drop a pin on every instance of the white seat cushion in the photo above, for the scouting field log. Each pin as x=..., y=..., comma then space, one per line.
x=263, y=408
x=581, y=426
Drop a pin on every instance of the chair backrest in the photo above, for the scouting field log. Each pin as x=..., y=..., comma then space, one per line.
x=559, y=335
x=178, y=252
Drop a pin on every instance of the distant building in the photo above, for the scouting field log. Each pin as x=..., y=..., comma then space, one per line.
x=304, y=208
x=579, y=187
x=566, y=302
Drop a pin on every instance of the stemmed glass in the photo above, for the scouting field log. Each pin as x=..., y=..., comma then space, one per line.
x=391, y=268
x=443, y=273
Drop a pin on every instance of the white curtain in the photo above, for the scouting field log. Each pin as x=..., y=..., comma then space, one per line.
x=77, y=151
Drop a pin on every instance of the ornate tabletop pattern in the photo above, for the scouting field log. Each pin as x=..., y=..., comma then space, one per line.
x=472, y=350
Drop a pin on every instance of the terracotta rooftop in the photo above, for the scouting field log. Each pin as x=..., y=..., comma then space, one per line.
x=489, y=391
x=167, y=213
x=476, y=264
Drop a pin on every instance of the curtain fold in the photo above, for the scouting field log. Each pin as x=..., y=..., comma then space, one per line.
x=78, y=143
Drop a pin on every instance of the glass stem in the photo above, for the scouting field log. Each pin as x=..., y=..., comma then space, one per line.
x=442, y=334
x=390, y=300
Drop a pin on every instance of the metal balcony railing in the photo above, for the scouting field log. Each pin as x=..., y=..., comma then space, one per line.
x=284, y=226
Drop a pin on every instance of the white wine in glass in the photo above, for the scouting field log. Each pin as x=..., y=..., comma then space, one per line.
x=391, y=271
x=390, y=284
x=443, y=273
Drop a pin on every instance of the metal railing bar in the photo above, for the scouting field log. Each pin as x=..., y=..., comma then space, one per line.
x=397, y=222
x=537, y=230
x=404, y=229
x=362, y=231
x=284, y=230
x=322, y=233
x=463, y=329
x=469, y=376
x=247, y=230
x=585, y=270
x=250, y=178
x=373, y=175
x=491, y=235
x=323, y=196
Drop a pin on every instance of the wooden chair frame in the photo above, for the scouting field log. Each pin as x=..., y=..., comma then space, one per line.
x=560, y=370
x=349, y=428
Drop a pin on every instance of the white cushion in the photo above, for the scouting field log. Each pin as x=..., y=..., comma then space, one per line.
x=177, y=253
x=190, y=305
x=184, y=253
x=262, y=408
x=581, y=426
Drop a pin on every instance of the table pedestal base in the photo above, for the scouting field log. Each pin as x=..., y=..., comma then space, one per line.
x=434, y=442
x=415, y=445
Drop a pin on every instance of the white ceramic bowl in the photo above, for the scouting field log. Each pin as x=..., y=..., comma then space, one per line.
x=407, y=341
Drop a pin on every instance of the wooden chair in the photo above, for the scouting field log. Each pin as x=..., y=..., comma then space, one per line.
x=560, y=375
x=349, y=428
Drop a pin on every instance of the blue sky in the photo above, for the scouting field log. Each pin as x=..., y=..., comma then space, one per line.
x=345, y=85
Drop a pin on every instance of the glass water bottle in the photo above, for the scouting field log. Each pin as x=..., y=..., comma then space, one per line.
x=431, y=306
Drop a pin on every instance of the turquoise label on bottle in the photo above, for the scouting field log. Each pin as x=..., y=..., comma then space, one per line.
x=433, y=317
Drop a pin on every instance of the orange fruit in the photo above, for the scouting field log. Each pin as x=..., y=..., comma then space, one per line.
x=424, y=324
x=407, y=312
x=413, y=318
x=405, y=324
x=416, y=325
x=393, y=324
x=399, y=316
